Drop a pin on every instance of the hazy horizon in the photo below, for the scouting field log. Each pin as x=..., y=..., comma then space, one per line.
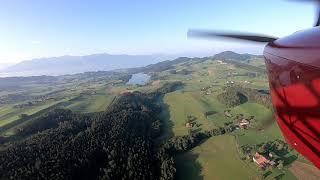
x=182, y=54
x=63, y=65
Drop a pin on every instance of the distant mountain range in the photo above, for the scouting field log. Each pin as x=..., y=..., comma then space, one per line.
x=78, y=64
x=97, y=62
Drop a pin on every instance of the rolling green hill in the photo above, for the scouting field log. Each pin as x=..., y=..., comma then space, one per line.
x=192, y=99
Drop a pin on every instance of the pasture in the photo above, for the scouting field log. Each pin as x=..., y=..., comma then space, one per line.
x=216, y=158
x=92, y=103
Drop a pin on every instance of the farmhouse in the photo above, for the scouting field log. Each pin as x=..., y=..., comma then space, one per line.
x=260, y=160
x=189, y=125
x=244, y=123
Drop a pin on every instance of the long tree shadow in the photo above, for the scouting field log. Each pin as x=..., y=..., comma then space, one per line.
x=166, y=123
x=188, y=168
x=186, y=163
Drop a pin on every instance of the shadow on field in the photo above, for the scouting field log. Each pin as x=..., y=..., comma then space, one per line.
x=242, y=97
x=167, y=124
x=290, y=159
x=188, y=168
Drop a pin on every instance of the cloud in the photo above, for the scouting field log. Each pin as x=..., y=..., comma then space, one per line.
x=35, y=42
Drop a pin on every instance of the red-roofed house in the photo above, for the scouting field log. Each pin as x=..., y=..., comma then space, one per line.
x=260, y=160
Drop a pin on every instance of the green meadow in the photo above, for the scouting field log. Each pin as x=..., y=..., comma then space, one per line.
x=92, y=103
x=10, y=113
x=219, y=157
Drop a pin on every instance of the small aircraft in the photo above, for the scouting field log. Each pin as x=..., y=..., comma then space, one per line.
x=293, y=67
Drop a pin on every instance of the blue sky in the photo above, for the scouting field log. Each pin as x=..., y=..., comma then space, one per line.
x=38, y=28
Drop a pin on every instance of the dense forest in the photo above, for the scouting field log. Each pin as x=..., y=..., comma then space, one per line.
x=115, y=144
x=119, y=143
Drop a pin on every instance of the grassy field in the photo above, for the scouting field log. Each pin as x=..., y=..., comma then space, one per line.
x=208, y=156
x=84, y=103
x=9, y=114
x=182, y=104
x=217, y=158
x=257, y=135
x=92, y=103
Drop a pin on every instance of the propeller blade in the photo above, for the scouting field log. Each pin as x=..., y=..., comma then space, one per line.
x=240, y=36
x=318, y=18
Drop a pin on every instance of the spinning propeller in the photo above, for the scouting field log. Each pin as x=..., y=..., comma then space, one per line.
x=245, y=36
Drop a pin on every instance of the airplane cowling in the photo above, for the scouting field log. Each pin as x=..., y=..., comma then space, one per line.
x=293, y=66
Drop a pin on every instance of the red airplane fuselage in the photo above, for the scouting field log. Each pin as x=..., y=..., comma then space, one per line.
x=293, y=65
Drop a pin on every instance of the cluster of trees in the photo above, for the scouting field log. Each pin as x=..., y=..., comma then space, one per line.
x=255, y=95
x=115, y=144
x=166, y=88
x=276, y=150
x=231, y=97
x=236, y=94
x=179, y=144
